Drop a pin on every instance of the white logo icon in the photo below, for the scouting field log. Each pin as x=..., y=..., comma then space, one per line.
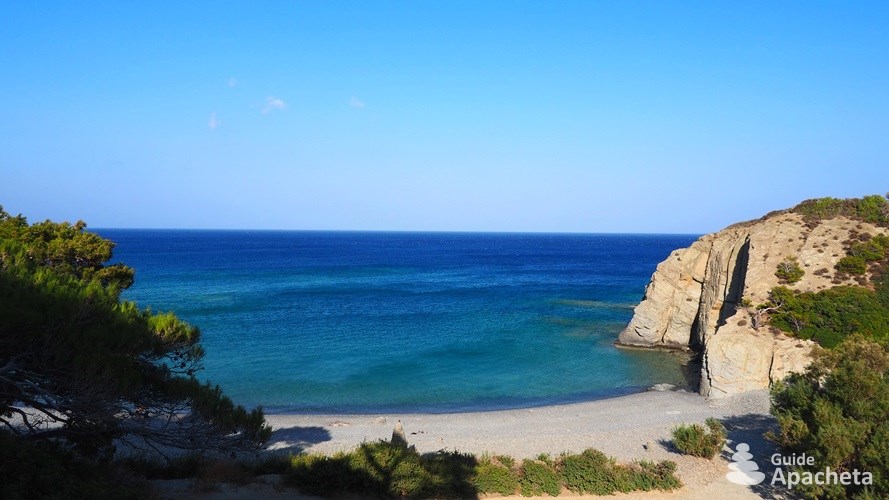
x=744, y=470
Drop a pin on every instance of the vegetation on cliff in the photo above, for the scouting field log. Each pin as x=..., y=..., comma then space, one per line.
x=828, y=316
x=873, y=209
x=868, y=254
x=789, y=271
x=838, y=410
x=81, y=368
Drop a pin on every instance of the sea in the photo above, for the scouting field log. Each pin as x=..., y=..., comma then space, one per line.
x=372, y=322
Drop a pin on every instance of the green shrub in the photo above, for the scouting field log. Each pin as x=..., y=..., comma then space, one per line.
x=852, y=264
x=506, y=460
x=546, y=458
x=883, y=241
x=589, y=472
x=875, y=249
x=656, y=475
x=270, y=464
x=871, y=250
x=537, y=478
x=699, y=441
x=491, y=477
x=789, y=271
x=594, y=473
x=450, y=474
x=824, y=208
x=326, y=476
x=831, y=315
x=838, y=413
x=45, y=470
x=384, y=469
x=411, y=479
x=873, y=209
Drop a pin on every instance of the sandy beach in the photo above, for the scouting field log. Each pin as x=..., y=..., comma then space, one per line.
x=629, y=428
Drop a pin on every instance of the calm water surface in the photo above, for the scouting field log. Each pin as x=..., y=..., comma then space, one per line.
x=433, y=322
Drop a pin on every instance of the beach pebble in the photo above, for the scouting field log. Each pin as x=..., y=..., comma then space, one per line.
x=379, y=421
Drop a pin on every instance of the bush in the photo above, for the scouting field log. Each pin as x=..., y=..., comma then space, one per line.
x=506, y=460
x=831, y=315
x=46, y=470
x=537, y=478
x=789, y=271
x=384, y=469
x=656, y=475
x=875, y=249
x=326, y=476
x=493, y=477
x=838, y=413
x=594, y=473
x=871, y=250
x=852, y=264
x=873, y=209
x=824, y=208
x=699, y=441
x=589, y=472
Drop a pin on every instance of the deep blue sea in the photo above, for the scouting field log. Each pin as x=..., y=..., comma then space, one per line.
x=410, y=322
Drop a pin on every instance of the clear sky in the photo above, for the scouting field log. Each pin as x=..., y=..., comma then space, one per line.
x=506, y=116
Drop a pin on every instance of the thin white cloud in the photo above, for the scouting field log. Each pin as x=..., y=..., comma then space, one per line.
x=356, y=102
x=232, y=82
x=272, y=103
x=213, y=122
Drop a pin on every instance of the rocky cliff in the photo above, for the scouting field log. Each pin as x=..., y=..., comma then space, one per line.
x=700, y=298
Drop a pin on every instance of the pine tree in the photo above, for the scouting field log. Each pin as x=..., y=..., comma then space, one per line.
x=81, y=367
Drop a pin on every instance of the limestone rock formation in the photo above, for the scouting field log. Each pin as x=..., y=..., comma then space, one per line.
x=700, y=297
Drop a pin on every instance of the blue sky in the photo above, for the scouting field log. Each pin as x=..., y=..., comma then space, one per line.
x=483, y=116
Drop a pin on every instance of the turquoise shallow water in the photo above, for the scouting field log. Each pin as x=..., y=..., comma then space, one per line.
x=432, y=322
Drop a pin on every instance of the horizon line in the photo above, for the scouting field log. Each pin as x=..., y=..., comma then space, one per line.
x=406, y=231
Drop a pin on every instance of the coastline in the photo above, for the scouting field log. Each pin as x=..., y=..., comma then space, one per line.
x=631, y=427
x=467, y=408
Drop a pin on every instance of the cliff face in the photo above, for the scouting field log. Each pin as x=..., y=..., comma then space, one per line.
x=694, y=299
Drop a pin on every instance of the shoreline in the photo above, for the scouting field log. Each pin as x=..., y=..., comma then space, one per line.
x=468, y=408
x=501, y=431
x=632, y=427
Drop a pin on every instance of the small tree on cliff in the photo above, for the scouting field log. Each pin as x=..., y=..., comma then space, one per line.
x=79, y=366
